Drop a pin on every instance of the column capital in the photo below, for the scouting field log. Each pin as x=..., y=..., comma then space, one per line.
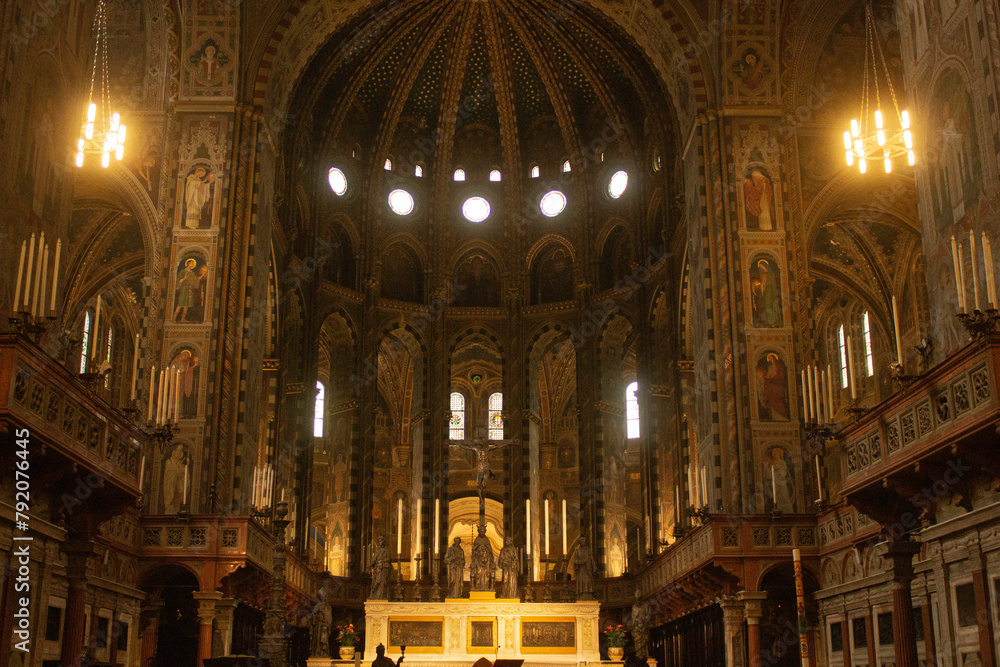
x=733, y=609
x=900, y=556
x=754, y=601
x=206, y=604
x=78, y=556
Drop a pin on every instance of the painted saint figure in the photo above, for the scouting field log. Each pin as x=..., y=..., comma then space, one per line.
x=758, y=197
x=765, y=294
x=772, y=388
x=173, y=480
x=189, y=297
x=779, y=468
x=187, y=362
x=198, y=189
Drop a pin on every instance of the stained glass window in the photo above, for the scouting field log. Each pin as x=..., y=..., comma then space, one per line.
x=456, y=427
x=631, y=411
x=85, y=342
x=496, y=416
x=318, y=410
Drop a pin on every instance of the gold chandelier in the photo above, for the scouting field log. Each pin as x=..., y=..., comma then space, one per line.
x=107, y=136
x=863, y=143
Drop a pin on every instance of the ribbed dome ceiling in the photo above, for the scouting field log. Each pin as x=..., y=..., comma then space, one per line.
x=482, y=82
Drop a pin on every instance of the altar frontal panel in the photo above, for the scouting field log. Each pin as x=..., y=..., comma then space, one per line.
x=548, y=634
x=424, y=634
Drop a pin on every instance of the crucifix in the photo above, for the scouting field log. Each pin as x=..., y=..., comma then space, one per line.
x=482, y=449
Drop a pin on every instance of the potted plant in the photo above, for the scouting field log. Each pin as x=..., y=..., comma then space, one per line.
x=347, y=637
x=614, y=637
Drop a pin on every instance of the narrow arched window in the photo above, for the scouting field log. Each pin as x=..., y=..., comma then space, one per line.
x=869, y=357
x=496, y=416
x=388, y=165
x=418, y=171
x=535, y=171
x=495, y=176
x=85, y=343
x=631, y=411
x=842, y=346
x=111, y=342
x=459, y=175
x=456, y=426
x=566, y=167
x=318, y=410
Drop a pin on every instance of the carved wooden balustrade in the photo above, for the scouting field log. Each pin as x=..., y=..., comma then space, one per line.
x=928, y=441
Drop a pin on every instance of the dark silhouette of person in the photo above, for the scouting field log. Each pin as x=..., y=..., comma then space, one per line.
x=382, y=661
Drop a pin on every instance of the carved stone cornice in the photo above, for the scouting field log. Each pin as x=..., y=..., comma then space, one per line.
x=609, y=408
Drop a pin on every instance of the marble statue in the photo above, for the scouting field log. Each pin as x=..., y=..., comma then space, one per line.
x=319, y=627
x=483, y=566
x=380, y=570
x=455, y=560
x=510, y=563
x=583, y=561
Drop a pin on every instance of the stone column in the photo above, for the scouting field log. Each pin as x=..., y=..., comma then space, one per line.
x=224, y=610
x=985, y=616
x=149, y=627
x=900, y=556
x=754, y=602
x=870, y=638
x=733, y=611
x=206, y=614
x=845, y=629
x=930, y=649
x=78, y=556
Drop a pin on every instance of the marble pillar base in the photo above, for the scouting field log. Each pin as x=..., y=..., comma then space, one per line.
x=460, y=631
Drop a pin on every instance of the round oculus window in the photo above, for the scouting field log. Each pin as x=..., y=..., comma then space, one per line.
x=338, y=181
x=476, y=209
x=552, y=203
x=401, y=202
x=617, y=184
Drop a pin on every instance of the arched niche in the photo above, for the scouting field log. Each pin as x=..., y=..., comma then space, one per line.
x=552, y=277
x=476, y=282
x=402, y=276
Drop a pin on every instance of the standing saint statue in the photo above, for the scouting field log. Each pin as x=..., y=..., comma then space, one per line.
x=640, y=627
x=583, y=562
x=380, y=570
x=319, y=627
x=454, y=558
x=510, y=562
x=483, y=567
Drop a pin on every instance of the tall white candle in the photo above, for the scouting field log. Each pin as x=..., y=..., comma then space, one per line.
x=819, y=479
x=177, y=395
x=704, y=487
x=418, y=545
x=961, y=279
x=187, y=468
x=774, y=488
x=55, y=277
x=820, y=398
x=135, y=365
x=991, y=283
x=167, y=393
x=20, y=277
x=253, y=488
x=546, y=527
x=805, y=399
x=399, y=528
x=895, y=325
x=850, y=369
x=282, y=495
x=677, y=503
x=38, y=275
x=437, y=526
x=527, y=526
x=96, y=332
x=958, y=273
x=829, y=391
x=149, y=397
x=27, y=276
x=564, y=527
x=975, y=272
x=159, y=401
x=809, y=380
x=45, y=276
x=691, y=493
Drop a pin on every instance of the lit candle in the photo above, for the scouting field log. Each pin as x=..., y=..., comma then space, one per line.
x=152, y=383
x=816, y=385
x=991, y=284
x=975, y=273
x=527, y=526
x=165, y=407
x=27, y=275
x=958, y=274
x=821, y=398
x=437, y=526
x=96, y=330
x=38, y=275
x=704, y=487
x=564, y=526
x=819, y=479
x=805, y=399
x=850, y=369
x=253, y=488
x=895, y=324
x=45, y=272
x=177, y=396
x=691, y=493
x=55, y=277
x=20, y=277
x=774, y=488
x=418, y=525
x=135, y=362
x=187, y=468
x=159, y=401
x=546, y=527
x=399, y=528
x=282, y=495
x=961, y=279
x=809, y=382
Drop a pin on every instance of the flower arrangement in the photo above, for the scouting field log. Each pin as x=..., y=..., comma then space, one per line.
x=614, y=635
x=347, y=635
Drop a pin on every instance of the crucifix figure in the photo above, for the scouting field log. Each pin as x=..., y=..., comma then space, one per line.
x=482, y=449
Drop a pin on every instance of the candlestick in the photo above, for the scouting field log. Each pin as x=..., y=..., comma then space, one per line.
x=135, y=364
x=546, y=527
x=895, y=324
x=45, y=276
x=961, y=277
x=850, y=368
x=187, y=469
x=437, y=526
x=399, y=528
x=152, y=383
x=55, y=277
x=564, y=527
x=27, y=275
x=177, y=395
x=38, y=276
x=809, y=380
x=527, y=526
x=20, y=277
x=819, y=480
x=774, y=488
